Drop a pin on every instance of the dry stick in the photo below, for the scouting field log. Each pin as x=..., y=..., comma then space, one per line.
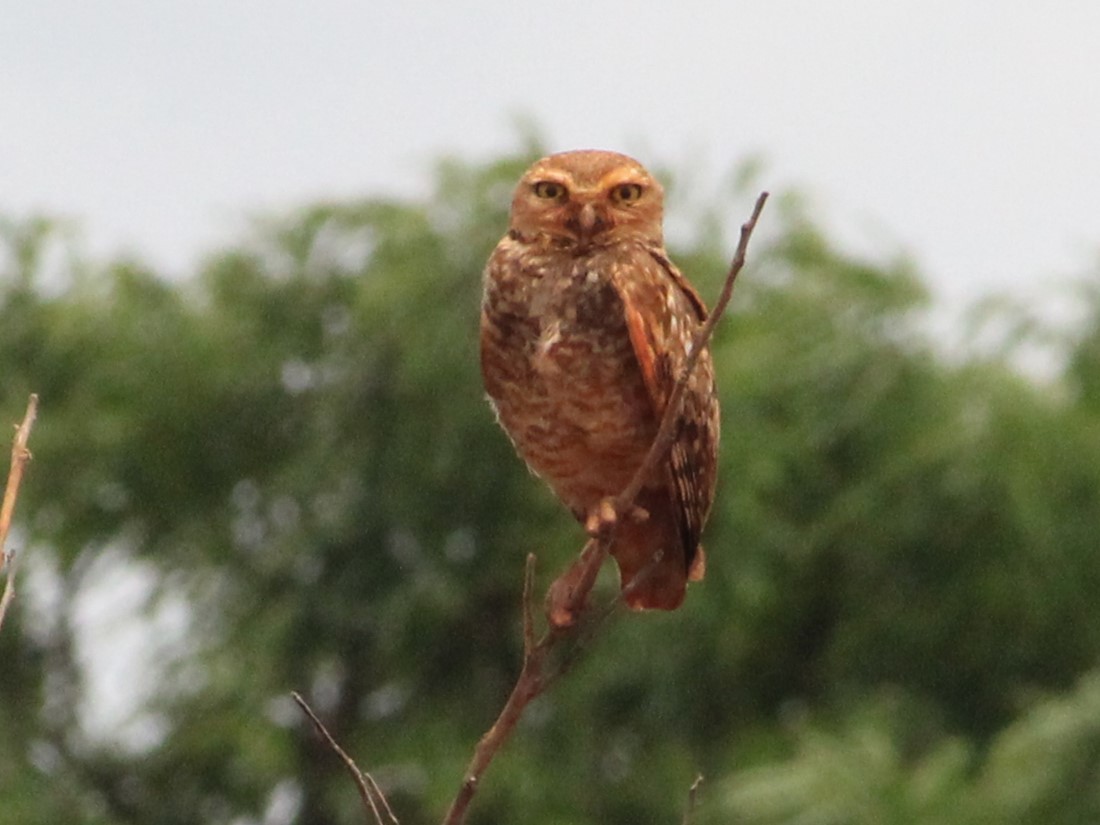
x=382, y=798
x=662, y=442
x=368, y=788
x=529, y=685
x=693, y=794
x=532, y=680
x=20, y=455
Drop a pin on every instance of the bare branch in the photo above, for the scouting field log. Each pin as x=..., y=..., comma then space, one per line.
x=693, y=794
x=20, y=455
x=381, y=797
x=567, y=596
x=528, y=686
x=662, y=442
x=10, y=560
x=369, y=791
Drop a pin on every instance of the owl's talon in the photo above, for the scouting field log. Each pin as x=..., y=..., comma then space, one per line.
x=567, y=598
x=601, y=520
x=561, y=611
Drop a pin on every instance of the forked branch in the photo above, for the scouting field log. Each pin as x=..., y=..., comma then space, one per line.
x=373, y=799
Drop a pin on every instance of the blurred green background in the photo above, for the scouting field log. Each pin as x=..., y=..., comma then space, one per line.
x=287, y=457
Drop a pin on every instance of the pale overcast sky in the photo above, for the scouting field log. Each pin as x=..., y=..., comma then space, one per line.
x=966, y=132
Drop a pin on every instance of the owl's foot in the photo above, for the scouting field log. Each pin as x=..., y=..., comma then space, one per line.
x=564, y=602
x=567, y=598
x=601, y=520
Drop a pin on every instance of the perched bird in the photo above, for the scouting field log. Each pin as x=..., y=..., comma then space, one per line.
x=585, y=326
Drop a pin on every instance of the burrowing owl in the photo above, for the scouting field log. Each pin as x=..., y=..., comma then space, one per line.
x=585, y=325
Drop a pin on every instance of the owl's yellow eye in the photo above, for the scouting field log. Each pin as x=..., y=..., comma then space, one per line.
x=626, y=192
x=550, y=190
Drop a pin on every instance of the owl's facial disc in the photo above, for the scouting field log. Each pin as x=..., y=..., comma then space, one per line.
x=588, y=198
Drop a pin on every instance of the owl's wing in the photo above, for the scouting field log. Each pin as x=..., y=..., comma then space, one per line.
x=663, y=313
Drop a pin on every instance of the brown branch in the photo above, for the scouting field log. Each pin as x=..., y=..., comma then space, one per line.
x=662, y=442
x=693, y=798
x=20, y=455
x=369, y=791
x=529, y=685
x=568, y=595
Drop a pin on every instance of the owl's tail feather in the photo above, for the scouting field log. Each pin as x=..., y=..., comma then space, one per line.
x=650, y=555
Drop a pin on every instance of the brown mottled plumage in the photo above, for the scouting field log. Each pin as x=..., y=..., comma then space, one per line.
x=585, y=326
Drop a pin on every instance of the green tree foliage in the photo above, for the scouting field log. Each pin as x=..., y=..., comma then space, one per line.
x=878, y=768
x=897, y=625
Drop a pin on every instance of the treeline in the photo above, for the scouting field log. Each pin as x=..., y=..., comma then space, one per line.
x=899, y=624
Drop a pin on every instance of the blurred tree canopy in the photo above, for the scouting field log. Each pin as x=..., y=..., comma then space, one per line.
x=899, y=623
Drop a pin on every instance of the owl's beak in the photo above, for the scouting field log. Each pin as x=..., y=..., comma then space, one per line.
x=590, y=220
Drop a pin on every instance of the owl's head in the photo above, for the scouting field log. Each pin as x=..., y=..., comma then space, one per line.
x=588, y=198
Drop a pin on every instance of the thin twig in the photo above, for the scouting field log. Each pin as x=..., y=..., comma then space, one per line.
x=578, y=580
x=20, y=455
x=10, y=560
x=368, y=788
x=528, y=686
x=381, y=797
x=693, y=795
x=662, y=442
